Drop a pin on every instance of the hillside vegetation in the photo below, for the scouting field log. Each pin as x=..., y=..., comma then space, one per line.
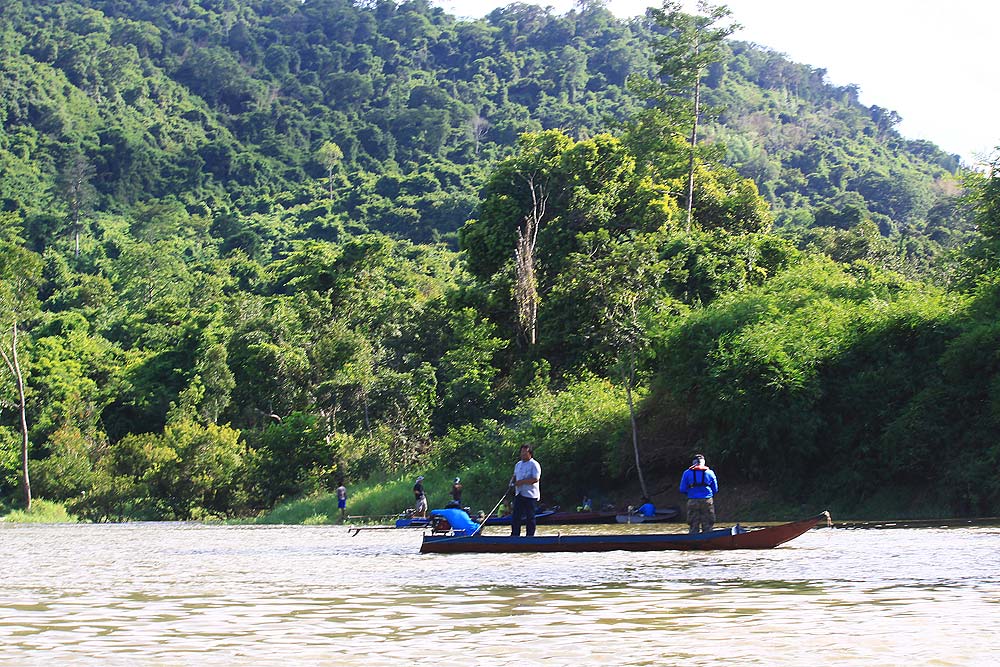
x=248, y=248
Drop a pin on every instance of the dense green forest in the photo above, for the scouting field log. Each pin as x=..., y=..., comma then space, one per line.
x=248, y=248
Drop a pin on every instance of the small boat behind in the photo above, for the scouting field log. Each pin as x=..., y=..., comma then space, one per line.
x=661, y=516
x=412, y=522
x=736, y=537
x=577, y=518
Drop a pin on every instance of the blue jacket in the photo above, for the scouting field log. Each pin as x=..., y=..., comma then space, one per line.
x=647, y=509
x=458, y=519
x=699, y=483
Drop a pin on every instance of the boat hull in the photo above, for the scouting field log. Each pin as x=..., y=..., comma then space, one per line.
x=723, y=539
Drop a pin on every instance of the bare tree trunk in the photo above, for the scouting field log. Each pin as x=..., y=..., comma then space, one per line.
x=694, y=143
x=480, y=126
x=15, y=368
x=368, y=423
x=635, y=430
x=526, y=284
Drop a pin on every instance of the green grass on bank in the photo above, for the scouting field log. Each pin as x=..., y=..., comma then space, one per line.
x=379, y=500
x=42, y=511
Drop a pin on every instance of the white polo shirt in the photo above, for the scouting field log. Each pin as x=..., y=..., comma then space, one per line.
x=527, y=470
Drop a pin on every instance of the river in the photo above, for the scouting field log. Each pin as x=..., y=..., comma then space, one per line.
x=193, y=594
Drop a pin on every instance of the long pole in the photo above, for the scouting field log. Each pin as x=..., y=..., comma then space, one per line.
x=478, y=530
x=15, y=370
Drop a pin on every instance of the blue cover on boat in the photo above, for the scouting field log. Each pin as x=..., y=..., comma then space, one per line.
x=458, y=519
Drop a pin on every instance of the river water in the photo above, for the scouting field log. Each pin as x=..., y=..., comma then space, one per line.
x=192, y=594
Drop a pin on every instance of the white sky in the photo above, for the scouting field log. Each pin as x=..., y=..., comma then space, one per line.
x=932, y=62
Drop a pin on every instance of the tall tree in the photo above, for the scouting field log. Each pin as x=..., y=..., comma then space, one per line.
x=78, y=192
x=14, y=365
x=331, y=156
x=556, y=189
x=20, y=274
x=618, y=282
x=692, y=43
x=526, y=283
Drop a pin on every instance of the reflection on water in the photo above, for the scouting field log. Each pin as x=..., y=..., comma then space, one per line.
x=178, y=594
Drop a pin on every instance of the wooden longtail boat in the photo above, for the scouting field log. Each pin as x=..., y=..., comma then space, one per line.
x=725, y=538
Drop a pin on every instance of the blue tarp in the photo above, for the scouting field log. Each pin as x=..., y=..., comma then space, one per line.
x=458, y=519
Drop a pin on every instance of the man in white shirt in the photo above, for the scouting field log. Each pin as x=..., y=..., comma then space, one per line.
x=527, y=472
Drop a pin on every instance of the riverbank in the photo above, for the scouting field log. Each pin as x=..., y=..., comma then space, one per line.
x=739, y=502
x=42, y=511
x=381, y=501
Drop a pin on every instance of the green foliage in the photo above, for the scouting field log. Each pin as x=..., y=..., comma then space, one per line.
x=226, y=235
x=985, y=188
x=572, y=431
x=42, y=511
x=20, y=278
x=725, y=200
x=690, y=45
x=10, y=458
x=226, y=111
x=586, y=187
x=188, y=471
x=817, y=369
x=467, y=445
x=983, y=201
x=952, y=416
x=68, y=471
x=292, y=457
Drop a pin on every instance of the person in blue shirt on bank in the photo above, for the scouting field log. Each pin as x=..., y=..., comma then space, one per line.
x=700, y=485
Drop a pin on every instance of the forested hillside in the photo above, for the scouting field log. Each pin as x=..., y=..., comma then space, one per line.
x=251, y=247
x=227, y=105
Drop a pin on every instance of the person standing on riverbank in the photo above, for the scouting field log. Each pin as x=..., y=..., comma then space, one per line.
x=700, y=485
x=342, y=499
x=527, y=473
x=419, y=499
x=456, y=490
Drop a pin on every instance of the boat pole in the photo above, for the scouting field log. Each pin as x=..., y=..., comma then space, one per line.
x=487, y=518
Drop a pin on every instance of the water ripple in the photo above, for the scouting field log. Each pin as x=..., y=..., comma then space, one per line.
x=179, y=594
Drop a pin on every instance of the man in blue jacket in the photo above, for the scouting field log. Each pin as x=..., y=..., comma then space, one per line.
x=700, y=485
